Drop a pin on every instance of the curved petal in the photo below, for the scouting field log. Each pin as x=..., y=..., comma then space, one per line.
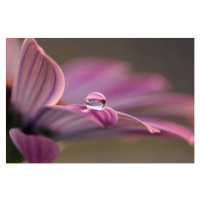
x=166, y=105
x=171, y=129
x=76, y=121
x=40, y=80
x=128, y=120
x=12, y=56
x=35, y=148
x=71, y=118
x=128, y=126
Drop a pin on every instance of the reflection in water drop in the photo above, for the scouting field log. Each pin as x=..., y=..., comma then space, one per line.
x=95, y=100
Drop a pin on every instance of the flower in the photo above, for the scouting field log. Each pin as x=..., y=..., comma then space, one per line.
x=39, y=85
x=38, y=82
x=142, y=95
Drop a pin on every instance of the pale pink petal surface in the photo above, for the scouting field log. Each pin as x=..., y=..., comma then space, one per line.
x=172, y=129
x=12, y=59
x=40, y=81
x=136, y=123
x=35, y=148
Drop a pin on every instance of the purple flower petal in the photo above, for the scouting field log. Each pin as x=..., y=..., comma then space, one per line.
x=87, y=75
x=128, y=125
x=35, y=148
x=109, y=77
x=40, y=80
x=172, y=105
x=132, y=122
x=171, y=129
x=12, y=56
x=65, y=119
x=137, y=84
x=76, y=121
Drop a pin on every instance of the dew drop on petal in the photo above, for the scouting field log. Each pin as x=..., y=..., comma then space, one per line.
x=95, y=100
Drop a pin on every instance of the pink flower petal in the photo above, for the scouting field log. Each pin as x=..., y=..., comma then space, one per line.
x=109, y=77
x=76, y=121
x=65, y=119
x=87, y=75
x=35, y=148
x=137, y=84
x=12, y=56
x=172, y=105
x=40, y=81
x=128, y=120
x=128, y=125
x=171, y=129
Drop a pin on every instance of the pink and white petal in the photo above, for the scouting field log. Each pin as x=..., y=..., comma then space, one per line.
x=40, y=81
x=171, y=129
x=12, y=59
x=88, y=75
x=35, y=148
x=172, y=105
x=64, y=119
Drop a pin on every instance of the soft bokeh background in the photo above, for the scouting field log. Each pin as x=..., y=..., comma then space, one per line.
x=173, y=58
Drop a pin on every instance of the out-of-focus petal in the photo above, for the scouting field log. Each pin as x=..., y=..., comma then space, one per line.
x=40, y=80
x=137, y=84
x=164, y=105
x=88, y=75
x=12, y=59
x=109, y=77
x=171, y=129
x=35, y=148
x=66, y=119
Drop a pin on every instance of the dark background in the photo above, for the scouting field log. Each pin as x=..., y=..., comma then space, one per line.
x=171, y=57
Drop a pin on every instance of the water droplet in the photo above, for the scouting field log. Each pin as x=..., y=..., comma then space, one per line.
x=95, y=100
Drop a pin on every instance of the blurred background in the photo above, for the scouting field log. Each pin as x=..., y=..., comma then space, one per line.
x=173, y=58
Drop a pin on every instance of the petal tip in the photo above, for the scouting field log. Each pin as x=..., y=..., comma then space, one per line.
x=191, y=140
x=35, y=148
